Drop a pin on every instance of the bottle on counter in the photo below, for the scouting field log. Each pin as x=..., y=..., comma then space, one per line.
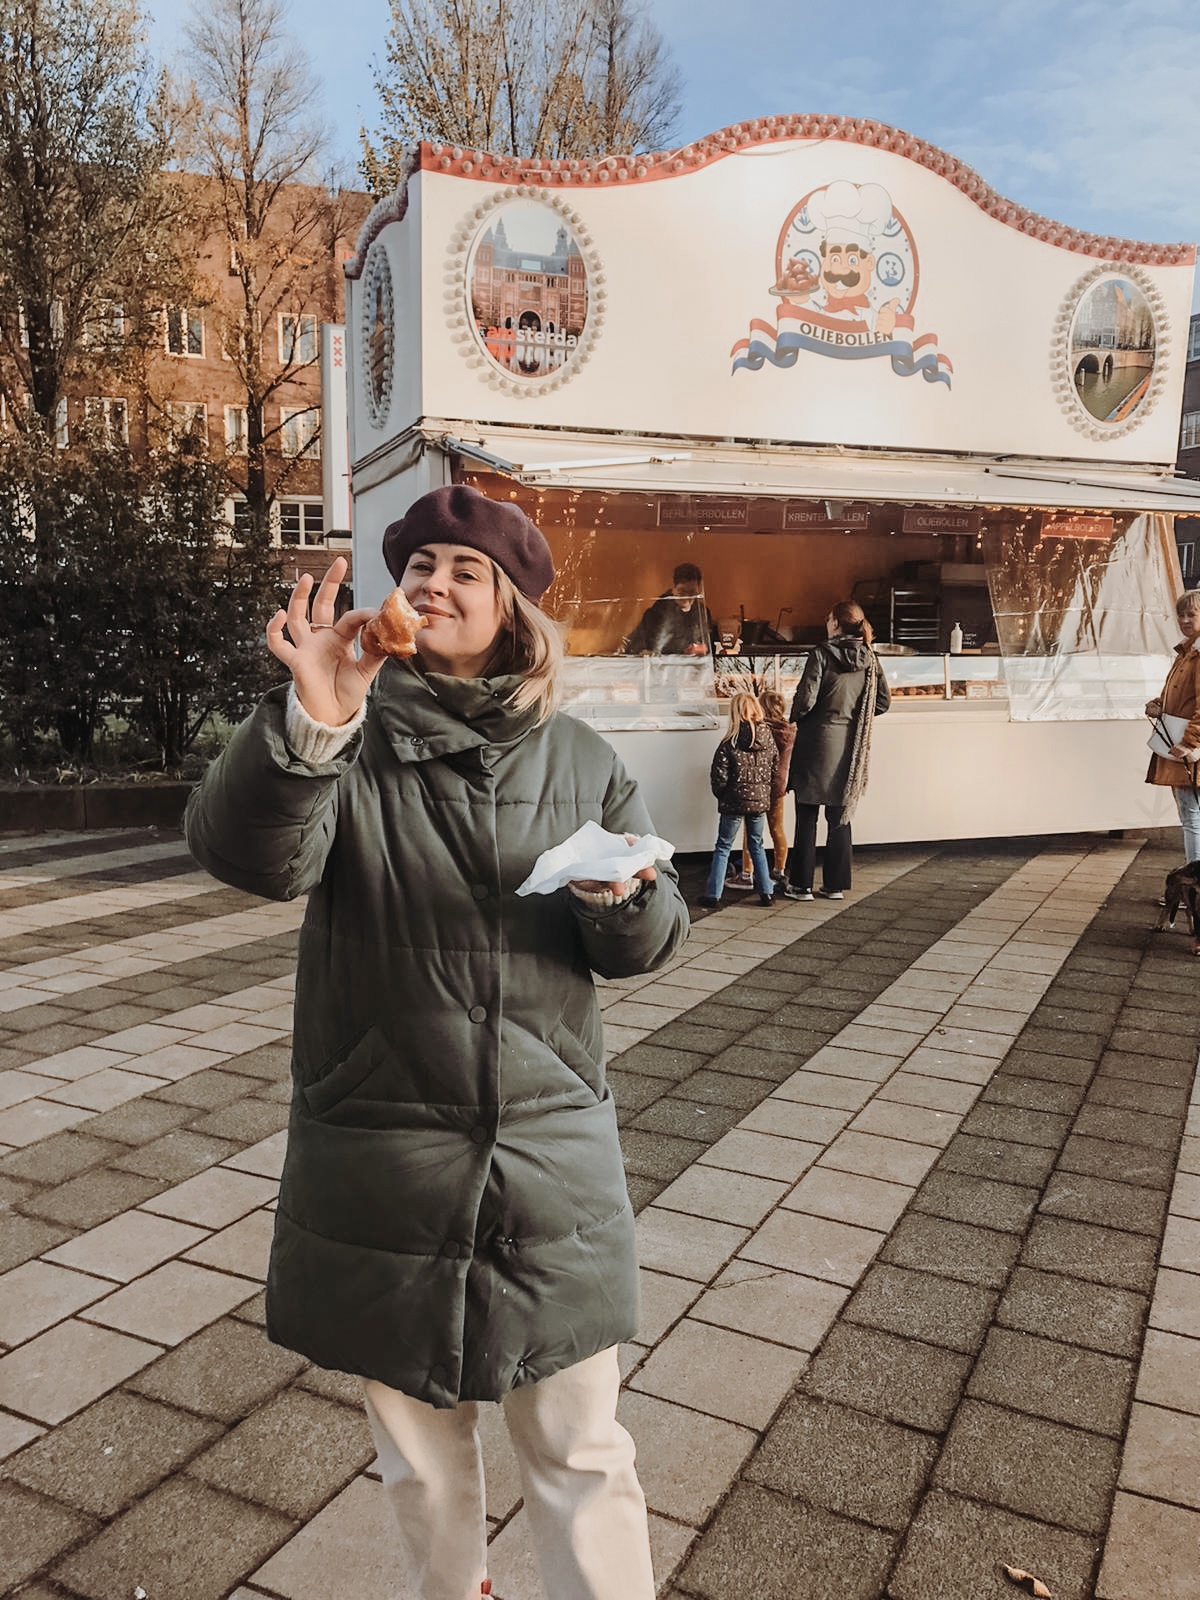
x=956, y=639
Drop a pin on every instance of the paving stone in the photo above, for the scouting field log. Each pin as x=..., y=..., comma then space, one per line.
x=1068, y=1309
x=22, y=1238
x=1152, y=1549
x=91, y=1198
x=66, y=1368
x=1176, y=1306
x=736, y=1197
x=1170, y=1372
x=1055, y=1069
x=722, y=1089
x=845, y=1461
x=1029, y=1465
x=657, y=1155
x=952, y=1249
x=272, y=1062
x=1162, y=1450
x=1131, y=1127
x=894, y=1160
x=214, y=1541
x=654, y=1060
x=720, y=1372
x=749, y=1062
x=960, y=1198
x=1048, y=1379
x=294, y=1453
x=1010, y=1122
x=764, y=1545
x=687, y=1119
x=902, y=1380
x=997, y=1158
x=685, y=1460
x=1164, y=1100
x=138, y=1121
x=1145, y=1069
x=1129, y=1206
x=768, y=1303
x=1100, y=1255
x=633, y=1092
x=177, y=1155
x=60, y=1157
x=344, y=1387
x=1033, y=1094
x=112, y=1453
x=918, y=1305
x=224, y=1371
x=817, y=1246
x=33, y=1531
x=955, y=1548
x=204, y=1091
x=1123, y=1163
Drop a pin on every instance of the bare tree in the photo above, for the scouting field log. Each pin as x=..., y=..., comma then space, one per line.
x=531, y=77
x=87, y=212
x=260, y=148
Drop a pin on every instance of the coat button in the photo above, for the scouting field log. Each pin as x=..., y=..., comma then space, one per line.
x=416, y=741
x=479, y=891
x=478, y=1013
x=479, y=1135
x=451, y=1250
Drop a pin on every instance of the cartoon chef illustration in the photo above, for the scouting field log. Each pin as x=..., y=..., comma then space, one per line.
x=849, y=217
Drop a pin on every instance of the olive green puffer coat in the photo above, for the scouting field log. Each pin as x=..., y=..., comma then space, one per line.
x=453, y=1219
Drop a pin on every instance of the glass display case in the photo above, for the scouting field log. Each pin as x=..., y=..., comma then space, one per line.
x=650, y=693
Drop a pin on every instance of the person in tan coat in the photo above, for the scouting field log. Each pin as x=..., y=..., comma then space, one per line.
x=1180, y=697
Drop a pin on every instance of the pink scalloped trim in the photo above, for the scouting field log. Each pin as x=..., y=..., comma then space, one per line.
x=563, y=175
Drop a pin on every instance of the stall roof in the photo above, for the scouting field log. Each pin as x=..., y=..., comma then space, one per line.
x=683, y=466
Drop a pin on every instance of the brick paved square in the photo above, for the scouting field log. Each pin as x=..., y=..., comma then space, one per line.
x=934, y=1094
x=955, y=1547
x=763, y=1155
x=662, y=1300
x=1131, y=1127
x=991, y=1121
x=824, y=1089
x=789, y=1119
x=1176, y=1304
x=902, y=1380
x=1129, y=1206
x=243, y=1248
x=1123, y=1163
x=62, y=1156
x=139, y=1121
x=32, y=1532
x=1162, y=1455
x=112, y=1453
x=845, y=1461
x=688, y=1247
x=765, y=1545
x=214, y=1541
x=1100, y=1255
x=213, y=1198
x=346, y=1550
x=769, y=1303
x=918, y=1305
x=677, y=1115
x=1170, y=1372
x=293, y=1454
x=1082, y=1387
x=126, y=1246
x=997, y=1158
x=872, y=1155
x=953, y=1249
x=720, y=1372
x=961, y=1198
x=38, y=1294
x=1074, y=1311
x=68, y=1366
x=33, y=1120
x=849, y=1197
x=816, y=1246
x=1151, y=1549
x=1033, y=1094
x=1031, y=1466
x=91, y=1198
x=168, y=1304
x=658, y=1155
x=223, y=1371
x=735, y=1197
x=685, y=1460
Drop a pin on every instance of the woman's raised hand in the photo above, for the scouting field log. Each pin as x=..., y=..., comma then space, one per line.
x=331, y=677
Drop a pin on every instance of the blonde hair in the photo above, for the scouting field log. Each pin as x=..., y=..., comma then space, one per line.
x=1189, y=600
x=531, y=645
x=773, y=704
x=743, y=707
x=851, y=619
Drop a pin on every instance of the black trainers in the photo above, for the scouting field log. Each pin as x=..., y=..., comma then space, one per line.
x=766, y=899
x=788, y=891
x=829, y=894
x=707, y=901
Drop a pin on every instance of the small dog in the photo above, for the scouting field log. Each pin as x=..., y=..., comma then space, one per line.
x=1182, y=889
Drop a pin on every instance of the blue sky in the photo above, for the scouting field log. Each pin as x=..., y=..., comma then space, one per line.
x=1085, y=110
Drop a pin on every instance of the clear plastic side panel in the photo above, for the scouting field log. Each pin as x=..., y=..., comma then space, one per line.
x=1086, y=626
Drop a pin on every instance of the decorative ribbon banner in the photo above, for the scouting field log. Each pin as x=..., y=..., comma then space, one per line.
x=847, y=340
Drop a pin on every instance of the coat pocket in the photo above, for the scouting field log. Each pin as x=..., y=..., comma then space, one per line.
x=347, y=1074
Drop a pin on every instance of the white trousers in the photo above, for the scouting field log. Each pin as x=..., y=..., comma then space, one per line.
x=587, y=1513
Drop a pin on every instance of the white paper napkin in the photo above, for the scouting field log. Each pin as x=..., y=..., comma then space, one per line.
x=593, y=852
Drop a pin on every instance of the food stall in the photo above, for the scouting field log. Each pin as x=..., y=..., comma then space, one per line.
x=817, y=359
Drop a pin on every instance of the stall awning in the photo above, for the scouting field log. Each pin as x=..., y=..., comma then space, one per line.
x=686, y=467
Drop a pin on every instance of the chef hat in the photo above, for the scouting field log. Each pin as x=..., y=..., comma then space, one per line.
x=850, y=213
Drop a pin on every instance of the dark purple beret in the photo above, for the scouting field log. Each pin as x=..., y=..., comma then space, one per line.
x=459, y=514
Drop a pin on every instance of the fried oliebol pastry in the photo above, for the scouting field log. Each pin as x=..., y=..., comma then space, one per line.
x=394, y=631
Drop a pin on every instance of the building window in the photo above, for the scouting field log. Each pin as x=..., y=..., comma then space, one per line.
x=1187, y=562
x=1189, y=435
x=1194, y=339
x=104, y=326
x=109, y=418
x=297, y=340
x=62, y=434
x=185, y=332
x=236, y=435
x=189, y=426
x=301, y=522
x=300, y=431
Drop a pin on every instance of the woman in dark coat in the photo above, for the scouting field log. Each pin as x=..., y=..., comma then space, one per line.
x=841, y=692
x=453, y=1223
